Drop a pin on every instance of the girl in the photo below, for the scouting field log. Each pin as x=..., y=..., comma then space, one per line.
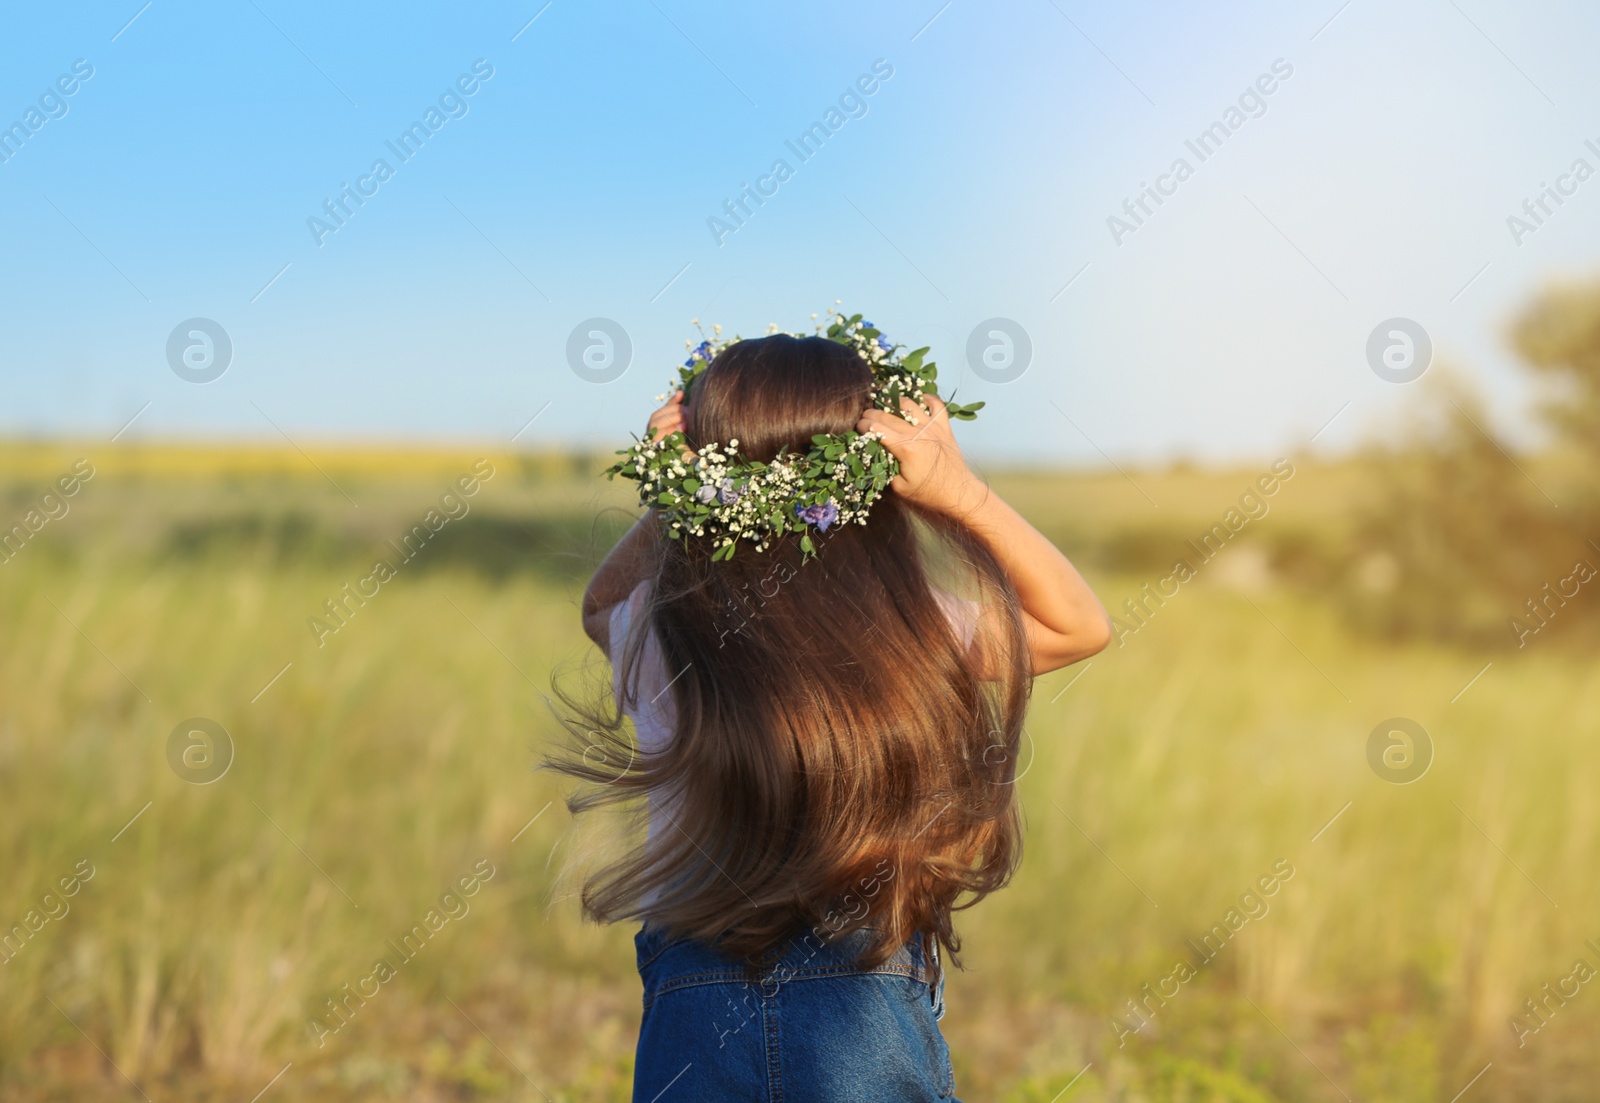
x=826, y=732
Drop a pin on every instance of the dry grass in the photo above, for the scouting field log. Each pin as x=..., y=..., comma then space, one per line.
x=377, y=770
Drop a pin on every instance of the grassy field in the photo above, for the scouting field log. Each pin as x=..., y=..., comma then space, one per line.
x=215, y=932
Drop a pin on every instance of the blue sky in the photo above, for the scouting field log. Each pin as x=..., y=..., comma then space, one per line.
x=1233, y=322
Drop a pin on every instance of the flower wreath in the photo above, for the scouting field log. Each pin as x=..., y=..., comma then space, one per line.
x=715, y=494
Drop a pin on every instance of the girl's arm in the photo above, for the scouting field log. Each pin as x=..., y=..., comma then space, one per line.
x=631, y=561
x=1065, y=622
x=627, y=564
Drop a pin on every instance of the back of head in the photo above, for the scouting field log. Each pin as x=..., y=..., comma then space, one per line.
x=772, y=394
x=839, y=760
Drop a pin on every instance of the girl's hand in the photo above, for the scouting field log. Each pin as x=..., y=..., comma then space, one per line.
x=667, y=420
x=932, y=472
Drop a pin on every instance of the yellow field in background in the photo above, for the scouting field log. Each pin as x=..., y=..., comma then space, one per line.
x=231, y=932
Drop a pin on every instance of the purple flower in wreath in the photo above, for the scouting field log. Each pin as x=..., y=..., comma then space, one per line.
x=705, y=493
x=821, y=516
x=702, y=352
x=729, y=492
x=884, y=344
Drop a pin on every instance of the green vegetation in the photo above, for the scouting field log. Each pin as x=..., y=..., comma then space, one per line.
x=380, y=768
x=200, y=940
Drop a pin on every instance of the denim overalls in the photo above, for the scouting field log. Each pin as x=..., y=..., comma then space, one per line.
x=804, y=1025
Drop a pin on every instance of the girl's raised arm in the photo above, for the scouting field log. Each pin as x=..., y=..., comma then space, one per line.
x=628, y=563
x=1064, y=620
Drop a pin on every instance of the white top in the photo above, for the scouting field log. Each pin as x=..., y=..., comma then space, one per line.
x=654, y=716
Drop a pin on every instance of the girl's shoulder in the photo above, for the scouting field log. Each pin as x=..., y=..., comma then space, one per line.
x=961, y=612
x=624, y=615
x=640, y=692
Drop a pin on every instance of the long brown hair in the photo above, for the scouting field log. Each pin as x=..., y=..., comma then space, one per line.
x=835, y=740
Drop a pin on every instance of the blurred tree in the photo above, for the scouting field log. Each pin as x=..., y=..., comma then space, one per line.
x=1455, y=532
x=1458, y=539
x=1559, y=336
